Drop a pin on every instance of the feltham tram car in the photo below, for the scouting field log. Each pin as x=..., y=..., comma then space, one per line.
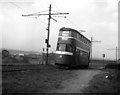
x=73, y=49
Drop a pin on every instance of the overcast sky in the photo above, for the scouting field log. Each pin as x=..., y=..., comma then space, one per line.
x=99, y=18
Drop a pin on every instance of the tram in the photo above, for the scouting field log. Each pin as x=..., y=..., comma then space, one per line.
x=73, y=49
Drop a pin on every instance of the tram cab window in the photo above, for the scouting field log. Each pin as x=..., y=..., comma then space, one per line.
x=60, y=33
x=65, y=47
x=61, y=47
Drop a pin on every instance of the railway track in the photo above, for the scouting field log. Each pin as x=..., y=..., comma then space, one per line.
x=7, y=68
x=20, y=67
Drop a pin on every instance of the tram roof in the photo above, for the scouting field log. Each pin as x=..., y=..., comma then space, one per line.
x=71, y=29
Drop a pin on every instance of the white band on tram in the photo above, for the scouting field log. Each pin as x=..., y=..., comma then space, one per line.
x=64, y=52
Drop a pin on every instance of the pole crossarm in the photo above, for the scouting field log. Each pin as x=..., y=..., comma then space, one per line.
x=96, y=41
x=45, y=14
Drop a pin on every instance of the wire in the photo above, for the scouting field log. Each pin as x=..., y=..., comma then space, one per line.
x=40, y=12
x=18, y=7
x=24, y=10
x=55, y=5
x=65, y=17
x=54, y=11
x=27, y=12
x=73, y=23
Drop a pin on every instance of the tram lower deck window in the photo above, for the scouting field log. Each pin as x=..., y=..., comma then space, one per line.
x=64, y=47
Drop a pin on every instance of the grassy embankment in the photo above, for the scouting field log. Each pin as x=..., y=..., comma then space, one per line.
x=34, y=81
x=41, y=80
x=101, y=84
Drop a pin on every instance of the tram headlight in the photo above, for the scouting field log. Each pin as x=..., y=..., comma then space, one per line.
x=60, y=56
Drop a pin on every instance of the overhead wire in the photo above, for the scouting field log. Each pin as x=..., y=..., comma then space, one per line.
x=73, y=23
x=68, y=20
x=65, y=17
x=55, y=5
x=40, y=12
x=34, y=13
x=43, y=11
x=26, y=11
x=18, y=7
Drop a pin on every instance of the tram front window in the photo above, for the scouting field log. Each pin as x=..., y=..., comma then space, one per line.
x=64, y=47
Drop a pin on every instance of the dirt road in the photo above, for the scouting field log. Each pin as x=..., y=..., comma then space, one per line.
x=47, y=79
x=76, y=84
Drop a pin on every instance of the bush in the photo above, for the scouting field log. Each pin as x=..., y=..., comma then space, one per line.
x=15, y=59
x=113, y=66
x=5, y=53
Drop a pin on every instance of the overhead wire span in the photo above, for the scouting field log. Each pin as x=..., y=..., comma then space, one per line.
x=72, y=23
x=65, y=16
x=55, y=5
x=18, y=7
x=55, y=11
x=40, y=12
x=27, y=12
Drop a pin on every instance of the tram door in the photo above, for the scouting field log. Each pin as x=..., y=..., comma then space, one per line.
x=84, y=58
x=76, y=57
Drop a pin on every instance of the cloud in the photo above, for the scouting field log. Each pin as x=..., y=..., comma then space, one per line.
x=5, y=1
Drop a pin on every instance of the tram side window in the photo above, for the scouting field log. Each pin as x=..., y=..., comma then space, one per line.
x=84, y=54
x=64, y=47
x=75, y=35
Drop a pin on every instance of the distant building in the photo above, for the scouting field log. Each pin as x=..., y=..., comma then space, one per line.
x=21, y=54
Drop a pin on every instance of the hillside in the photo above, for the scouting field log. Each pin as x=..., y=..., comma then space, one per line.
x=12, y=51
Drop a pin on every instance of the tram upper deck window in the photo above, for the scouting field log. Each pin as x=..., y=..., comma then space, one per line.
x=64, y=47
x=65, y=33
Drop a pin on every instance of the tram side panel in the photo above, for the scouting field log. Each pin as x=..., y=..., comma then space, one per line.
x=84, y=58
x=81, y=54
x=75, y=58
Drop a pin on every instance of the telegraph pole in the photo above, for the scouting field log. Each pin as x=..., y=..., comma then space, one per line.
x=48, y=28
x=47, y=40
x=116, y=55
x=92, y=44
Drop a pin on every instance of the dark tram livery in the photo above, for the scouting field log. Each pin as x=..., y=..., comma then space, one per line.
x=73, y=49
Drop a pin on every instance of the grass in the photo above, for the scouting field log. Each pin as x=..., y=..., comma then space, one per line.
x=25, y=60
x=34, y=81
x=100, y=84
x=113, y=66
x=48, y=77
